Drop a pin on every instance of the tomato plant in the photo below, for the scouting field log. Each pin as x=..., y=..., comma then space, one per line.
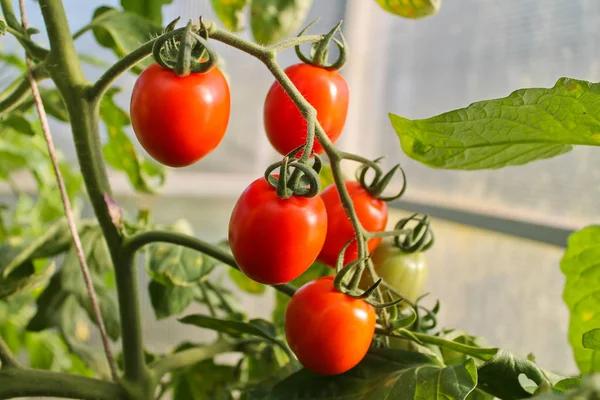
x=325, y=90
x=328, y=331
x=295, y=229
x=371, y=212
x=62, y=275
x=179, y=120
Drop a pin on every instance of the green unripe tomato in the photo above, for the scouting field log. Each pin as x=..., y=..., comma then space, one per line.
x=405, y=272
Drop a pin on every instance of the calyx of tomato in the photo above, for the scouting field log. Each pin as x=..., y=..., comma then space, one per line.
x=380, y=181
x=180, y=50
x=353, y=291
x=418, y=237
x=296, y=177
x=319, y=50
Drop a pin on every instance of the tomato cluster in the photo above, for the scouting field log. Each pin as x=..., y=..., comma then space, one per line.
x=275, y=238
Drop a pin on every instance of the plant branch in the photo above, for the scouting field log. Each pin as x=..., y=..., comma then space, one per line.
x=191, y=356
x=139, y=240
x=268, y=56
x=7, y=359
x=481, y=353
x=65, y=70
x=24, y=382
x=67, y=206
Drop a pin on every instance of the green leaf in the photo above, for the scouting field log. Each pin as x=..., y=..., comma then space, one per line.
x=528, y=125
x=231, y=13
x=15, y=60
x=16, y=283
x=19, y=123
x=454, y=357
x=258, y=328
x=274, y=20
x=15, y=252
x=123, y=31
x=591, y=339
x=383, y=374
x=149, y=9
x=581, y=267
x=94, y=61
x=119, y=151
x=411, y=8
x=2, y=27
x=500, y=375
x=169, y=300
x=246, y=284
x=203, y=381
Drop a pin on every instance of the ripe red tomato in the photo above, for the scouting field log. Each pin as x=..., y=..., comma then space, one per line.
x=275, y=240
x=371, y=212
x=327, y=91
x=179, y=120
x=328, y=331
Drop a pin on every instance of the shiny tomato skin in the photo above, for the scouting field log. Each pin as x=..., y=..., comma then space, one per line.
x=275, y=240
x=325, y=90
x=179, y=120
x=328, y=331
x=371, y=212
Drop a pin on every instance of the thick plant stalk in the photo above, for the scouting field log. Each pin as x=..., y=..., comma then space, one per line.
x=67, y=206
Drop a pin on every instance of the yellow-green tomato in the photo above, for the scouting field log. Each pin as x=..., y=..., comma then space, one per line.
x=405, y=272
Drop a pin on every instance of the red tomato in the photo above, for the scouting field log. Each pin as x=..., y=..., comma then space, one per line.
x=328, y=331
x=274, y=240
x=179, y=120
x=371, y=212
x=327, y=91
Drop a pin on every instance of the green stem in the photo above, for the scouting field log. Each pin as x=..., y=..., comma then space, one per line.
x=139, y=240
x=65, y=69
x=190, y=357
x=22, y=382
x=481, y=353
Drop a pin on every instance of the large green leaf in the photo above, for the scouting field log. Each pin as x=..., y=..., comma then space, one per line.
x=123, y=31
x=274, y=20
x=411, y=8
x=503, y=376
x=581, y=266
x=382, y=374
x=119, y=151
x=528, y=125
x=169, y=300
x=231, y=13
x=149, y=9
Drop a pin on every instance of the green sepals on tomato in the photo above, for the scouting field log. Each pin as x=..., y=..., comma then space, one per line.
x=275, y=240
x=371, y=212
x=329, y=331
x=326, y=90
x=179, y=120
x=405, y=272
